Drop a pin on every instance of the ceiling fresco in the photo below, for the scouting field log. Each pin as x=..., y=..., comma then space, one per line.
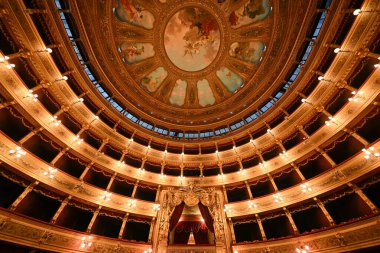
x=132, y=12
x=192, y=46
x=192, y=39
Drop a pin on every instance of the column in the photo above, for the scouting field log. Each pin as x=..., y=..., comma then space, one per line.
x=324, y=210
x=22, y=195
x=63, y=204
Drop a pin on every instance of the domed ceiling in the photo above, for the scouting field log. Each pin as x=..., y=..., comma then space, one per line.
x=193, y=65
x=193, y=44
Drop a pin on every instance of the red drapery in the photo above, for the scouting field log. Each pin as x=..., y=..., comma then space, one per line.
x=206, y=217
x=176, y=215
x=188, y=226
x=201, y=237
x=183, y=229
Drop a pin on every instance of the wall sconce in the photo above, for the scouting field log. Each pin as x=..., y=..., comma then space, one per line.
x=358, y=11
x=227, y=208
x=56, y=121
x=132, y=203
x=30, y=94
x=95, y=118
x=181, y=178
x=305, y=187
x=86, y=242
x=242, y=172
x=278, y=198
x=63, y=78
x=303, y=249
x=304, y=100
x=4, y=60
x=156, y=207
x=78, y=140
x=18, y=152
x=251, y=205
x=284, y=154
x=120, y=163
x=262, y=165
x=50, y=172
x=80, y=100
x=356, y=96
x=330, y=121
x=140, y=171
x=106, y=196
x=339, y=50
x=370, y=152
x=46, y=50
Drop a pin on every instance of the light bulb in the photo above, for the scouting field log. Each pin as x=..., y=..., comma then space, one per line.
x=356, y=12
x=337, y=50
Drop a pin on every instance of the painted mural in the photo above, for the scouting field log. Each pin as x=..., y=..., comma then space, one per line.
x=205, y=94
x=192, y=39
x=132, y=12
x=252, y=11
x=247, y=51
x=178, y=95
x=135, y=52
x=152, y=81
x=229, y=79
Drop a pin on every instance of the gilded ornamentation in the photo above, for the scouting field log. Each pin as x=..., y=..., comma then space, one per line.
x=191, y=195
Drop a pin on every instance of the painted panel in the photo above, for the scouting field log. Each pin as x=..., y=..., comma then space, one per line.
x=247, y=51
x=192, y=39
x=178, y=95
x=205, y=94
x=229, y=79
x=252, y=11
x=132, y=12
x=135, y=52
x=154, y=79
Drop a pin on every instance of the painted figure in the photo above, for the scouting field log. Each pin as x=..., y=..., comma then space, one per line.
x=192, y=39
x=135, y=52
x=154, y=79
x=229, y=79
x=132, y=12
x=247, y=51
x=252, y=11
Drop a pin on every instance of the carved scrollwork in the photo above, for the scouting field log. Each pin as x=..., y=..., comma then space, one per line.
x=191, y=195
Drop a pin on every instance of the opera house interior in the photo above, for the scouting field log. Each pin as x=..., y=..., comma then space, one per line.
x=189, y=126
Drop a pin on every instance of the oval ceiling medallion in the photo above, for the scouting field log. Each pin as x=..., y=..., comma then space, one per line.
x=192, y=39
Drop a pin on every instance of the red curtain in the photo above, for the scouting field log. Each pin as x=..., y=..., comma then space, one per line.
x=183, y=229
x=188, y=226
x=182, y=237
x=201, y=237
x=206, y=217
x=176, y=215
